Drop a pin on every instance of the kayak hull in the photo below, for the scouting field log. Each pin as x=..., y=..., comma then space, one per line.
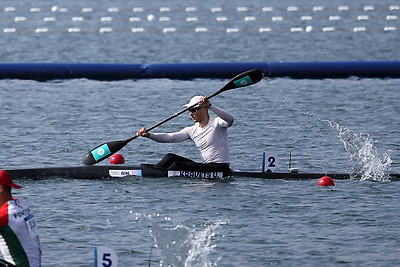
x=119, y=171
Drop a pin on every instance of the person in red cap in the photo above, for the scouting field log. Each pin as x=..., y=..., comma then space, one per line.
x=19, y=239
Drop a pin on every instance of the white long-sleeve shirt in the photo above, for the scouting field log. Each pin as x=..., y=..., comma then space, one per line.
x=211, y=140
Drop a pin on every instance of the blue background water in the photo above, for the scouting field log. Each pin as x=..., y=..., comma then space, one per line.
x=239, y=222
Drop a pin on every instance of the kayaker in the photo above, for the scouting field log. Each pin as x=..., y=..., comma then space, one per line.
x=19, y=239
x=209, y=133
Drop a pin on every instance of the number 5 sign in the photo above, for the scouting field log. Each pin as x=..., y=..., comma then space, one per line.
x=105, y=257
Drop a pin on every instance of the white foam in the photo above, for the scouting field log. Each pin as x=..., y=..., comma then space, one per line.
x=367, y=163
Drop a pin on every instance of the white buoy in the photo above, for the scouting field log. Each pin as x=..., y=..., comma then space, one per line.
x=150, y=17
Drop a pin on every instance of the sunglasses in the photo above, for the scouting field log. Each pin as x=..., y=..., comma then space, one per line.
x=194, y=110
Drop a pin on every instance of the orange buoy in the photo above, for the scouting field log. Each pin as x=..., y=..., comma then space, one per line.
x=117, y=159
x=326, y=181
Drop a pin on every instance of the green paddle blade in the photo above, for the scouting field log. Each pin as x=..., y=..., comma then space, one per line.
x=103, y=151
x=246, y=78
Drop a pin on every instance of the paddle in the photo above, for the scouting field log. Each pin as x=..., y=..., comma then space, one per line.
x=107, y=149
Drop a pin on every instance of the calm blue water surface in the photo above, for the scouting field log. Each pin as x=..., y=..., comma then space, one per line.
x=331, y=125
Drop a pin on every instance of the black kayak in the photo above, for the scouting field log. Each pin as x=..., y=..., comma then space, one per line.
x=146, y=170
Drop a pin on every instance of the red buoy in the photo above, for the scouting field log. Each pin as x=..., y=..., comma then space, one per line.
x=117, y=159
x=326, y=181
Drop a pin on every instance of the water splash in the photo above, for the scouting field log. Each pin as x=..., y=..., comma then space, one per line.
x=367, y=163
x=181, y=246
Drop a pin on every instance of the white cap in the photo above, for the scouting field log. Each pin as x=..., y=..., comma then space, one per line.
x=194, y=100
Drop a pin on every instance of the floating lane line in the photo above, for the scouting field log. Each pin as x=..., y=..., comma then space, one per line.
x=307, y=29
x=151, y=17
x=368, y=8
x=116, y=14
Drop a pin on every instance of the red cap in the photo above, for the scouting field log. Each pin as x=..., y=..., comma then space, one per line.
x=5, y=179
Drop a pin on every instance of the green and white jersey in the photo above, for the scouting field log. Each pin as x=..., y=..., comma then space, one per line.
x=19, y=239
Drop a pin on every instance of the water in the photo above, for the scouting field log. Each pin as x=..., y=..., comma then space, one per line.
x=331, y=125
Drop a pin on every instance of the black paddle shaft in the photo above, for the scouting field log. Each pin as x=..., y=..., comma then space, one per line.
x=105, y=150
